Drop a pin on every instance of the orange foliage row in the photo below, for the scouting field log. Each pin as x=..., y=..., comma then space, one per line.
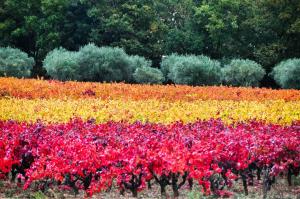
x=33, y=89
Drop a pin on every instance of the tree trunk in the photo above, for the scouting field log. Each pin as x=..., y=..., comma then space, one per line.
x=163, y=191
x=244, y=179
x=258, y=174
x=122, y=192
x=266, y=183
x=134, y=193
x=191, y=183
x=176, y=192
x=289, y=177
x=149, y=184
x=174, y=185
x=251, y=178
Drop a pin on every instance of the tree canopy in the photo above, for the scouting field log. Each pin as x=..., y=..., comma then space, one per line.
x=264, y=31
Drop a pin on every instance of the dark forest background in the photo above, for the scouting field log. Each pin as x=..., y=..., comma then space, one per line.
x=266, y=31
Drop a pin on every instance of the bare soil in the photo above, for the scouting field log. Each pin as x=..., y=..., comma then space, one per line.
x=279, y=190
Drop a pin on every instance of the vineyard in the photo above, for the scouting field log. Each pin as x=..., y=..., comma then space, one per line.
x=92, y=137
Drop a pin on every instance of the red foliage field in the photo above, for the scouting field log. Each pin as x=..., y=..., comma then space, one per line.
x=84, y=156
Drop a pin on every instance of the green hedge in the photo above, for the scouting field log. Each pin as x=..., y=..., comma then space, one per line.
x=15, y=63
x=147, y=75
x=192, y=70
x=93, y=63
x=138, y=62
x=108, y=64
x=243, y=72
x=287, y=74
x=103, y=64
x=62, y=64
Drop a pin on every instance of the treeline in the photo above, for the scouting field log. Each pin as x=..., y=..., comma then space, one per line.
x=263, y=31
x=113, y=64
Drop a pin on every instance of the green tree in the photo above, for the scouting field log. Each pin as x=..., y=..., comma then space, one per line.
x=103, y=64
x=224, y=26
x=264, y=31
x=287, y=73
x=18, y=24
x=243, y=72
x=38, y=26
x=192, y=70
x=148, y=75
x=277, y=24
x=62, y=64
x=15, y=63
x=132, y=25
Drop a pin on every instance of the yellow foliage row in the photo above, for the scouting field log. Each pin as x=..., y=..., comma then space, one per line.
x=57, y=110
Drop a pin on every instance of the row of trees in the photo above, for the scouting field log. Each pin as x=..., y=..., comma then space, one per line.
x=92, y=63
x=108, y=64
x=100, y=64
x=264, y=31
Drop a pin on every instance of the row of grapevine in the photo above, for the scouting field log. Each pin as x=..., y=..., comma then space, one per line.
x=153, y=111
x=82, y=155
x=91, y=138
x=33, y=89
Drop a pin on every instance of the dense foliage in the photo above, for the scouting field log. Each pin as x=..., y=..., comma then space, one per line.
x=103, y=64
x=192, y=70
x=264, y=31
x=15, y=63
x=243, y=73
x=287, y=73
x=137, y=62
x=54, y=102
x=93, y=63
x=148, y=75
x=89, y=136
x=36, y=89
x=148, y=110
x=84, y=156
x=62, y=64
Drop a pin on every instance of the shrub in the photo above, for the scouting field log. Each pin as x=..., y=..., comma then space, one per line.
x=137, y=62
x=243, y=72
x=15, y=63
x=192, y=70
x=62, y=64
x=92, y=63
x=287, y=73
x=167, y=62
x=103, y=64
x=148, y=75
